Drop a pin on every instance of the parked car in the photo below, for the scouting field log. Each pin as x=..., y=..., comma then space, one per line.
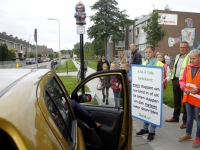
x=29, y=61
x=44, y=59
x=33, y=60
x=39, y=60
x=48, y=59
x=36, y=113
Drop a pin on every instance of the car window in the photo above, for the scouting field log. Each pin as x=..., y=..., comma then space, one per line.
x=58, y=105
x=109, y=95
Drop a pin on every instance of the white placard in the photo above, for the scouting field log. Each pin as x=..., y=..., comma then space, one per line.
x=80, y=29
x=147, y=93
x=168, y=19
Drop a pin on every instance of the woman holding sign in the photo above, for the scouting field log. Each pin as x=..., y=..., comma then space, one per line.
x=151, y=61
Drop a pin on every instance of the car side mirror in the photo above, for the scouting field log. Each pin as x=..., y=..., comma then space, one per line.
x=84, y=98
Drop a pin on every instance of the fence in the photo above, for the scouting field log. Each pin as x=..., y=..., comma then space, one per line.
x=11, y=64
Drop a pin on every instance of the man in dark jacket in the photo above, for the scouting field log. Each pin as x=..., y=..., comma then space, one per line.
x=136, y=57
x=101, y=62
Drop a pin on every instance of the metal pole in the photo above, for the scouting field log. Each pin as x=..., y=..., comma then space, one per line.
x=36, y=56
x=59, y=39
x=82, y=61
x=59, y=34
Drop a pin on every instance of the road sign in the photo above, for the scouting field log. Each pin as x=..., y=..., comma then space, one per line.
x=35, y=35
x=80, y=29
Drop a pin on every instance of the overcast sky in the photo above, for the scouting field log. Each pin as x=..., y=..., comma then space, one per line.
x=21, y=17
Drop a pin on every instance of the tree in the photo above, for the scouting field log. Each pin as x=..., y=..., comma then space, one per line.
x=155, y=32
x=56, y=54
x=108, y=21
x=87, y=49
x=167, y=8
x=4, y=52
x=1, y=52
x=51, y=56
x=39, y=55
x=98, y=46
x=76, y=49
x=32, y=54
x=64, y=52
x=11, y=54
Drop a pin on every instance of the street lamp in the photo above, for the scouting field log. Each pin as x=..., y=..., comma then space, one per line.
x=58, y=29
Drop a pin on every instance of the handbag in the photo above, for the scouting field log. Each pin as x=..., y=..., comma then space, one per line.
x=99, y=85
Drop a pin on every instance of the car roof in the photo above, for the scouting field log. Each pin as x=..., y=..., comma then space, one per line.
x=19, y=108
x=10, y=77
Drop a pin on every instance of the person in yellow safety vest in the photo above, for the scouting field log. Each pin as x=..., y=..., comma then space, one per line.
x=151, y=61
x=181, y=61
x=190, y=85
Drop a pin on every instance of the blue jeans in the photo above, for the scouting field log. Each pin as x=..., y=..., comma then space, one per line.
x=116, y=94
x=152, y=128
x=192, y=111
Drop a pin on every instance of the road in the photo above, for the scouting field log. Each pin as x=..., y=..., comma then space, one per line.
x=44, y=65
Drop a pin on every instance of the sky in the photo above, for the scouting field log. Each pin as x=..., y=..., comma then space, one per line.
x=21, y=17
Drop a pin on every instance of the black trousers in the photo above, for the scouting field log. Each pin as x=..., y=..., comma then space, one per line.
x=178, y=95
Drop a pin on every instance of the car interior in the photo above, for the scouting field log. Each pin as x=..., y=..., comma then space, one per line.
x=110, y=116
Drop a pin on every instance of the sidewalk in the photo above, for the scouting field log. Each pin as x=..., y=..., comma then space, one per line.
x=166, y=137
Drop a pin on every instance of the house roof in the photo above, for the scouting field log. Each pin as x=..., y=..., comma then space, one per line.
x=13, y=39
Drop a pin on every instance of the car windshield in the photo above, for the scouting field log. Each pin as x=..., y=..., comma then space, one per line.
x=28, y=59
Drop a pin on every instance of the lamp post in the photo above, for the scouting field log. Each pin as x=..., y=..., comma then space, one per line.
x=29, y=43
x=66, y=50
x=58, y=29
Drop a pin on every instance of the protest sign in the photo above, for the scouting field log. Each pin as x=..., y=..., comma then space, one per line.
x=147, y=93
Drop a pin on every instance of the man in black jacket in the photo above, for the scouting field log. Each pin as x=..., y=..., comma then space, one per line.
x=101, y=62
x=136, y=57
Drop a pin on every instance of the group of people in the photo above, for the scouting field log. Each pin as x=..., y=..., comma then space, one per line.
x=185, y=76
x=112, y=81
x=186, y=89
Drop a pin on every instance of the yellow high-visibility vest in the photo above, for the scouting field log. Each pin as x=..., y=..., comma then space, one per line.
x=184, y=64
x=159, y=63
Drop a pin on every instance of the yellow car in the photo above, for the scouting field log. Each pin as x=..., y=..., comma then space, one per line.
x=36, y=113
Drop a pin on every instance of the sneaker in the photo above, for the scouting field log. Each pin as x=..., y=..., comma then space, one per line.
x=142, y=132
x=185, y=137
x=151, y=137
x=196, y=142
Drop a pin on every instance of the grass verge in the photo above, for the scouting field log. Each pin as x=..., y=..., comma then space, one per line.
x=91, y=63
x=168, y=98
x=71, y=67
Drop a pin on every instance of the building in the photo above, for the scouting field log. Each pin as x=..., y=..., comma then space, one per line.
x=22, y=47
x=114, y=49
x=179, y=26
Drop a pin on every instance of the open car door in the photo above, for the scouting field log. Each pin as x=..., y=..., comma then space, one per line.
x=111, y=110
